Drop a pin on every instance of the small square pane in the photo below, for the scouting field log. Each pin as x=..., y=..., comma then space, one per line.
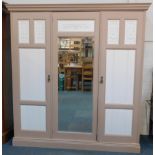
x=113, y=32
x=33, y=118
x=39, y=31
x=23, y=31
x=118, y=122
x=130, y=31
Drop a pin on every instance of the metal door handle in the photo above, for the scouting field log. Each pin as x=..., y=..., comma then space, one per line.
x=101, y=79
x=49, y=78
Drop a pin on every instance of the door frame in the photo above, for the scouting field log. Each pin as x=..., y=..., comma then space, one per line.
x=54, y=58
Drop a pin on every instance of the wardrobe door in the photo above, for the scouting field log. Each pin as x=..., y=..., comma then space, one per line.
x=120, y=76
x=31, y=68
x=75, y=59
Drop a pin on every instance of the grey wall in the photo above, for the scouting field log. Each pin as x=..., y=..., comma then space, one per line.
x=148, y=48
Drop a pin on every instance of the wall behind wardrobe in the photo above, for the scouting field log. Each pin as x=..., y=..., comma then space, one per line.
x=148, y=48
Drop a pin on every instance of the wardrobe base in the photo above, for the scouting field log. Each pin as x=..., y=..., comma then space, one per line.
x=78, y=145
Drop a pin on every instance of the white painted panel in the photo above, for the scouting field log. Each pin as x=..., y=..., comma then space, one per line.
x=118, y=122
x=113, y=32
x=120, y=66
x=33, y=118
x=130, y=31
x=39, y=31
x=76, y=25
x=23, y=31
x=32, y=74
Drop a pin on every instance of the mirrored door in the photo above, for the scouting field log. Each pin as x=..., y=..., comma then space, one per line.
x=75, y=79
x=75, y=84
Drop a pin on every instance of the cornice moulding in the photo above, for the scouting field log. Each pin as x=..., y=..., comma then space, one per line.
x=78, y=7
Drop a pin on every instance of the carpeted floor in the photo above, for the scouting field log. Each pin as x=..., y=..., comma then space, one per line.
x=8, y=149
x=75, y=111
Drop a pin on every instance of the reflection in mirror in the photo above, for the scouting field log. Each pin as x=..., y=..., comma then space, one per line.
x=75, y=84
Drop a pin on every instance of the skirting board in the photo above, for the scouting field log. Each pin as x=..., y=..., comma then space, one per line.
x=78, y=145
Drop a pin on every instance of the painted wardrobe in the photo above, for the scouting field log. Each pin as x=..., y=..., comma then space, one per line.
x=52, y=107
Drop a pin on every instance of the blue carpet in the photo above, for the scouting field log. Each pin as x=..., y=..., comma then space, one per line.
x=8, y=149
x=75, y=111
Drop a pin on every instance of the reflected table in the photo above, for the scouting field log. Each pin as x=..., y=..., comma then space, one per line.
x=73, y=74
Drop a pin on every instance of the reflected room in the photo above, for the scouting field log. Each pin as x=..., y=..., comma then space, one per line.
x=75, y=84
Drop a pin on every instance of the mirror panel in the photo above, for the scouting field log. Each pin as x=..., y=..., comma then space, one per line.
x=75, y=84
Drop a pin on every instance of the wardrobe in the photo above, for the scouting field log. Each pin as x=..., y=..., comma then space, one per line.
x=58, y=50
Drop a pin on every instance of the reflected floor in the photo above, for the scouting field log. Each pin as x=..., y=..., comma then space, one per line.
x=75, y=111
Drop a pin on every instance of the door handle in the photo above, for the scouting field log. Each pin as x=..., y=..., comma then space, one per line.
x=49, y=78
x=101, y=79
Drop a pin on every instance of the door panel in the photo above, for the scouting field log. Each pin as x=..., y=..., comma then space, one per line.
x=118, y=122
x=75, y=43
x=33, y=118
x=119, y=66
x=32, y=74
x=39, y=31
x=76, y=26
x=113, y=32
x=23, y=31
x=31, y=67
x=130, y=32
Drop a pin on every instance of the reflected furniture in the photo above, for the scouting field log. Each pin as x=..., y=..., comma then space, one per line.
x=72, y=76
